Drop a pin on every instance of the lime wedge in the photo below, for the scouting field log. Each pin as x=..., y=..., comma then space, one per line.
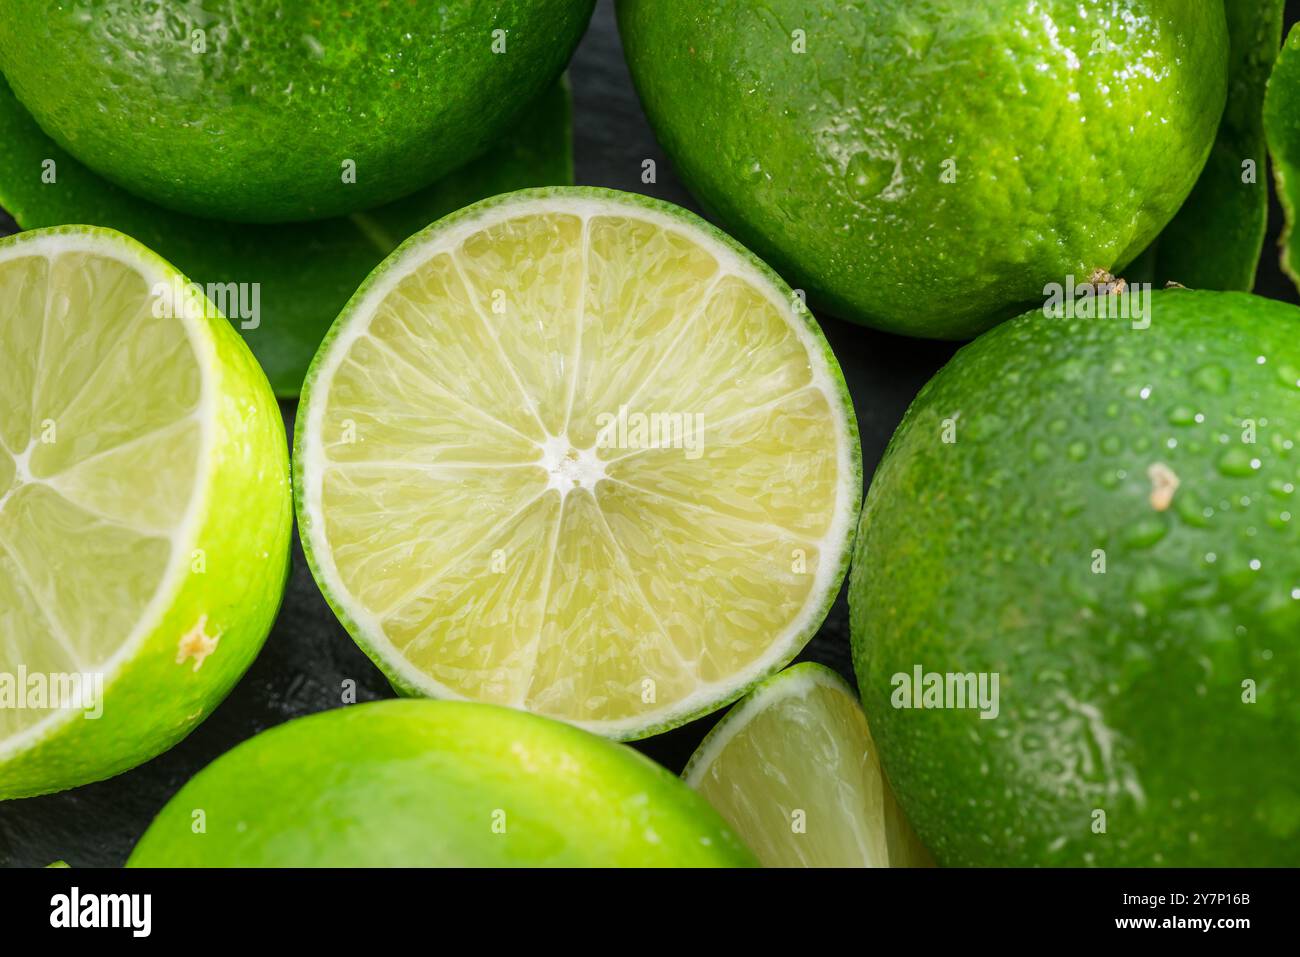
x=794, y=771
x=144, y=507
x=575, y=451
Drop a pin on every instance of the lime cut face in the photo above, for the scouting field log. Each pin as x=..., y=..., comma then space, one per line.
x=794, y=771
x=94, y=510
x=576, y=452
x=130, y=415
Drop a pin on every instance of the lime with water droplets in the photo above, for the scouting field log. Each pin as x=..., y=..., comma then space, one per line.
x=929, y=167
x=1140, y=604
x=268, y=111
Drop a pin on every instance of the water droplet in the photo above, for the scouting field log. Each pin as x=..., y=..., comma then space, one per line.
x=1212, y=378
x=1145, y=533
x=1236, y=462
x=1182, y=415
x=865, y=175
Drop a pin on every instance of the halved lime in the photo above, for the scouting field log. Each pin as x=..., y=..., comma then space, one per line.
x=575, y=451
x=794, y=771
x=144, y=507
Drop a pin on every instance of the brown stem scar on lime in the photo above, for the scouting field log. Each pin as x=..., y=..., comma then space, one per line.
x=1164, y=483
x=197, y=643
x=1104, y=282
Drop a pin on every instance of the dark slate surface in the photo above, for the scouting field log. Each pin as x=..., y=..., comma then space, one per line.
x=308, y=655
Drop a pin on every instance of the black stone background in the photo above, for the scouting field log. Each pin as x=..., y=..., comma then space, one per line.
x=308, y=653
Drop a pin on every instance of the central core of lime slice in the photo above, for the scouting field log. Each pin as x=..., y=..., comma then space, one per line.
x=577, y=454
x=571, y=468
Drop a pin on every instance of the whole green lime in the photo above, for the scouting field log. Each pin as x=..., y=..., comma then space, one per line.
x=424, y=783
x=925, y=167
x=269, y=110
x=1100, y=516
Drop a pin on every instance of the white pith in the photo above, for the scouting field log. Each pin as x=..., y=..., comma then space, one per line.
x=569, y=467
x=156, y=275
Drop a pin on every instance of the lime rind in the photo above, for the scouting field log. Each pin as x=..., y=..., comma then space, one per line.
x=405, y=679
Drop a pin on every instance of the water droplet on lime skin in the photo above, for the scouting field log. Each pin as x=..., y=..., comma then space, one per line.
x=1145, y=533
x=1236, y=462
x=866, y=176
x=1212, y=378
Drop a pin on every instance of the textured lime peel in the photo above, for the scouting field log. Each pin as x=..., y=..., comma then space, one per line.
x=794, y=771
x=1282, y=124
x=1105, y=519
x=274, y=111
x=302, y=274
x=1215, y=240
x=435, y=783
x=481, y=504
x=144, y=507
x=926, y=168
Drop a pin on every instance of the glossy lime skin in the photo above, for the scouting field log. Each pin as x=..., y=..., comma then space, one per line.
x=1122, y=684
x=258, y=124
x=436, y=783
x=925, y=166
